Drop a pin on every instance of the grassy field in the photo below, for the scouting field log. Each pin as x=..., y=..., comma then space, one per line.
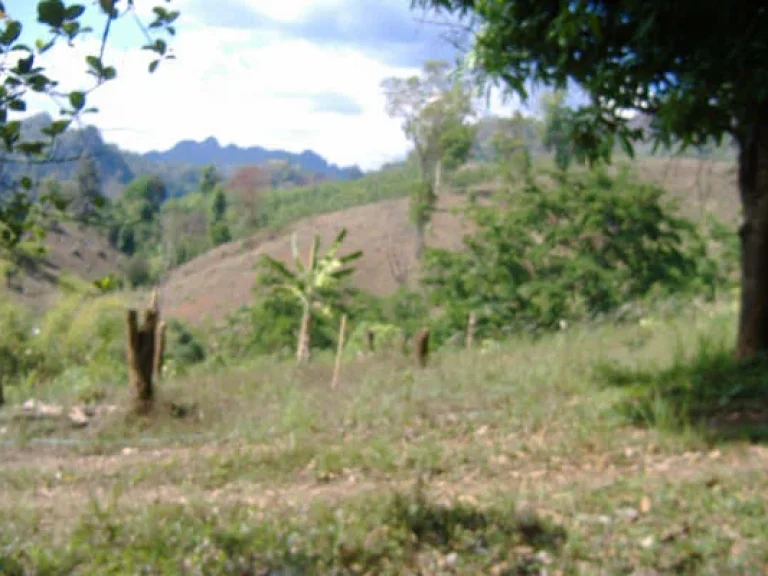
x=635, y=449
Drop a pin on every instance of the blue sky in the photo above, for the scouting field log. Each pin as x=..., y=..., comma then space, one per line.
x=290, y=74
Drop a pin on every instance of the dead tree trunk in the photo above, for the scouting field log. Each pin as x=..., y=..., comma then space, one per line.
x=141, y=357
x=753, y=188
x=2, y=397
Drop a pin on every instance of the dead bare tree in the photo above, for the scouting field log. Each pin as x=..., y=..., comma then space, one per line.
x=398, y=267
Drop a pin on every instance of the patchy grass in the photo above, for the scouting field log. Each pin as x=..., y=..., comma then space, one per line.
x=599, y=450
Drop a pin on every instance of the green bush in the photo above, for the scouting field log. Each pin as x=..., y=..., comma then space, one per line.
x=138, y=272
x=577, y=250
x=182, y=347
x=386, y=337
x=275, y=323
x=17, y=351
x=83, y=331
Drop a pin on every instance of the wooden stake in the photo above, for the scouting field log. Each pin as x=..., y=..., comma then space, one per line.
x=370, y=338
x=471, y=323
x=421, y=347
x=159, y=351
x=339, y=349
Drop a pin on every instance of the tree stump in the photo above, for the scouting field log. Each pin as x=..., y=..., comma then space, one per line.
x=421, y=347
x=141, y=356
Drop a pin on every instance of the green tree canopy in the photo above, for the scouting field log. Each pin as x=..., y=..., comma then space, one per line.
x=435, y=108
x=699, y=69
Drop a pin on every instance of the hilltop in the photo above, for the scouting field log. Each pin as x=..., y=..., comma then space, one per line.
x=179, y=167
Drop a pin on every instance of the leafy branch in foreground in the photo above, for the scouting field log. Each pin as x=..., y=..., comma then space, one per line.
x=24, y=76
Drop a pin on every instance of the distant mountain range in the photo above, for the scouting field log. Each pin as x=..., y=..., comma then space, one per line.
x=209, y=151
x=179, y=167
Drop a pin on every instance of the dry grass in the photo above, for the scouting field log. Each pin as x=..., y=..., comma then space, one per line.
x=507, y=460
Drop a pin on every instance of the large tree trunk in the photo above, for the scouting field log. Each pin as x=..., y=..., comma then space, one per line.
x=753, y=187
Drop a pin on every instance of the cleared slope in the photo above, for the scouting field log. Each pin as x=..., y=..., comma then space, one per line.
x=222, y=280
x=72, y=252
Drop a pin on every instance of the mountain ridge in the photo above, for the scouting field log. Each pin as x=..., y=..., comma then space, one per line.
x=179, y=166
x=210, y=151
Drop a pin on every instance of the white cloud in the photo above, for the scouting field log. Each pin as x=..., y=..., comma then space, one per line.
x=225, y=84
x=231, y=84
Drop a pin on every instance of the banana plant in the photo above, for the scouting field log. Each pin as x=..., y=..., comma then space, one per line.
x=316, y=285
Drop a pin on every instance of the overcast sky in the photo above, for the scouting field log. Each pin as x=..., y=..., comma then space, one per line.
x=289, y=74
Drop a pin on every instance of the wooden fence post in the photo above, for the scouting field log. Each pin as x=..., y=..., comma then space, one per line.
x=339, y=349
x=159, y=351
x=370, y=339
x=421, y=347
x=471, y=323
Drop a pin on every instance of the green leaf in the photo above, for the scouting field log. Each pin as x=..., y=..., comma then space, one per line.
x=109, y=73
x=94, y=63
x=11, y=33
x=26, y=182
x=24, y=65
x=77, y=100
x=56, y=128
x=153, y=65
x=31, y=148
x=74, y=12
x=51, y=12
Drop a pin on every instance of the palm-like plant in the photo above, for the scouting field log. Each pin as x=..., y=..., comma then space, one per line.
x=317, y=286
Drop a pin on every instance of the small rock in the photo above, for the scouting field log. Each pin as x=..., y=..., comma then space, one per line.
x=629, y=514
x=128, y=451
x=451, y=559
x=78, y=417
x=647, y=542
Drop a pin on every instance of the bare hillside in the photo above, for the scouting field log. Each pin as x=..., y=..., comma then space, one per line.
x=73, y=252
x=221, y=281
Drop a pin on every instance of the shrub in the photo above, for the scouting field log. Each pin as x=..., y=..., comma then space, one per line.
x=182, y=348
x=17, y=353
x=581, y=248
x=78, y=331
x=386, y=337
x=138, y=272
